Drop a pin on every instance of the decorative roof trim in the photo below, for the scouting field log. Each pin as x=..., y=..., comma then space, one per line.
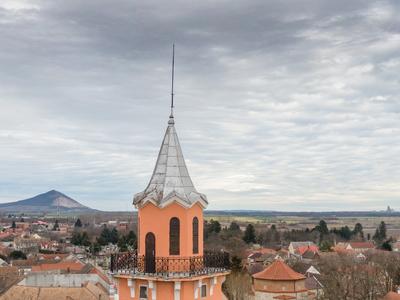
x=177, y=200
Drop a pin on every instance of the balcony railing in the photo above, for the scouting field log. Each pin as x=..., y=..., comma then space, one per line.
x=130, y=263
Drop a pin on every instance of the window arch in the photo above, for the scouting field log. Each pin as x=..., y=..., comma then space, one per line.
x=174, y=236
x=195, y=229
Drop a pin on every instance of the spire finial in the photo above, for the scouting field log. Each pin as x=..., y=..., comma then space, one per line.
x=172, y=82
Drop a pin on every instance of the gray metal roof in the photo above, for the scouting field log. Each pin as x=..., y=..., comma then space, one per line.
x=170, y=180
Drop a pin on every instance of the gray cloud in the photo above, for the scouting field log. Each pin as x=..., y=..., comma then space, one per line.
x=280, y=104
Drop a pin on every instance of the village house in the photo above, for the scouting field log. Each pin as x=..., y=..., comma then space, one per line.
x=358, y=247
x=123, y=226
x=297, y=248
x=29, y=244
x=279, y=281
x=260, y=255
x=84, y=291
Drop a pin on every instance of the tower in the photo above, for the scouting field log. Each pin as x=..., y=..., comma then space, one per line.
x=170, y=262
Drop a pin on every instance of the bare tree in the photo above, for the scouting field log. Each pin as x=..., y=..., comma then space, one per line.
x=346, y=278
x=238, y=286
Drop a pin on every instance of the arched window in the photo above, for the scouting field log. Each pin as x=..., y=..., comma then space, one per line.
x=174, y=232
x=195, y=235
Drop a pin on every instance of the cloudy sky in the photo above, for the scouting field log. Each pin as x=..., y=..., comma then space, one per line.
x=280, y=105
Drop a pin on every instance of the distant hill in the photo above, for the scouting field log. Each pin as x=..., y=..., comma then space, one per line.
x=51, y=201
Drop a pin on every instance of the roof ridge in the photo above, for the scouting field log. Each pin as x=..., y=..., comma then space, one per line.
x=279, y=270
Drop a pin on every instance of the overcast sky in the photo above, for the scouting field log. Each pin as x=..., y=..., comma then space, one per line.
x=280, y=105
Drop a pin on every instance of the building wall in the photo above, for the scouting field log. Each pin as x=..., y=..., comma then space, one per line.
x=279, y=286
x=156, y=220
x=165, y=290
x=63, y=280
x=271, y=296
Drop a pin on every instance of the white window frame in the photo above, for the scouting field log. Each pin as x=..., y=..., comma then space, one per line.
x=147, y=292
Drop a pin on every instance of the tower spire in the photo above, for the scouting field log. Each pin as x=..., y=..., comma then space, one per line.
x=172, y=85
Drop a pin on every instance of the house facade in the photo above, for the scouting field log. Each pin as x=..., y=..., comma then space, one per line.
x=279, y=281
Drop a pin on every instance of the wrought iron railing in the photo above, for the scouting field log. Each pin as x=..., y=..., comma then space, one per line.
x=132, y=263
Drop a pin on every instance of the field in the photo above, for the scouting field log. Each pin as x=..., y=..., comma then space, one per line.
x=288, y=222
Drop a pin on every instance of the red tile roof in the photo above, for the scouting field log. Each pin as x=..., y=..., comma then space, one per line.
x=392, y=296
x=59, y=256
x=65, y=266
x=303, y=249
x=278, y=270
x=362, y=245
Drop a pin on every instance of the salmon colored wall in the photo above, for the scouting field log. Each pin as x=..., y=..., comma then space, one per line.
x=187, y=291
x=165, y=289
x=279, y=286
x=124, y=291
x=156, y=220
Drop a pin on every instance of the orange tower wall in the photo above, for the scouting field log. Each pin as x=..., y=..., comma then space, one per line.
x=156, y=220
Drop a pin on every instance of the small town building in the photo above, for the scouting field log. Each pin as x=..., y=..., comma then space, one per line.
x=279, y=281
x=85, y=291
x=359, y=247
x=297, y=247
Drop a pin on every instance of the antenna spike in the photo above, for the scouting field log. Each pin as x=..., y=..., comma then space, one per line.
x=172, y=80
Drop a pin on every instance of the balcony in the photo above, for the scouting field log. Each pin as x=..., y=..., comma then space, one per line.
x=130, y=263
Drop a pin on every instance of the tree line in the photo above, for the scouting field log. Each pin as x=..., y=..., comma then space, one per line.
x=233, y=238
x=107, y=236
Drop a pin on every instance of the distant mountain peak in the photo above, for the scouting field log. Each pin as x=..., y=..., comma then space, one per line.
x=49, y=201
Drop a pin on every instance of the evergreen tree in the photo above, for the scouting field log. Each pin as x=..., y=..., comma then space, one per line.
x=380, y=233
x=78, y=223
x=325, y=246
x=236, y=264
x=358, y=231
x=215, y=226
x=234, y=226
x=104, y=237
x=249, y=234
x=131, y=239
x=95, y=248
x=113, y=236
x=17, y=254
x=322, y=227
x=56, y=227
x=211, y=228
x=387, y=245
x=80, y=239
x=275, y=235
x=13, y=225
x=76, y=238
x=127, y=242
x=85, y=239
x=122, y=244
x=345, y=233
